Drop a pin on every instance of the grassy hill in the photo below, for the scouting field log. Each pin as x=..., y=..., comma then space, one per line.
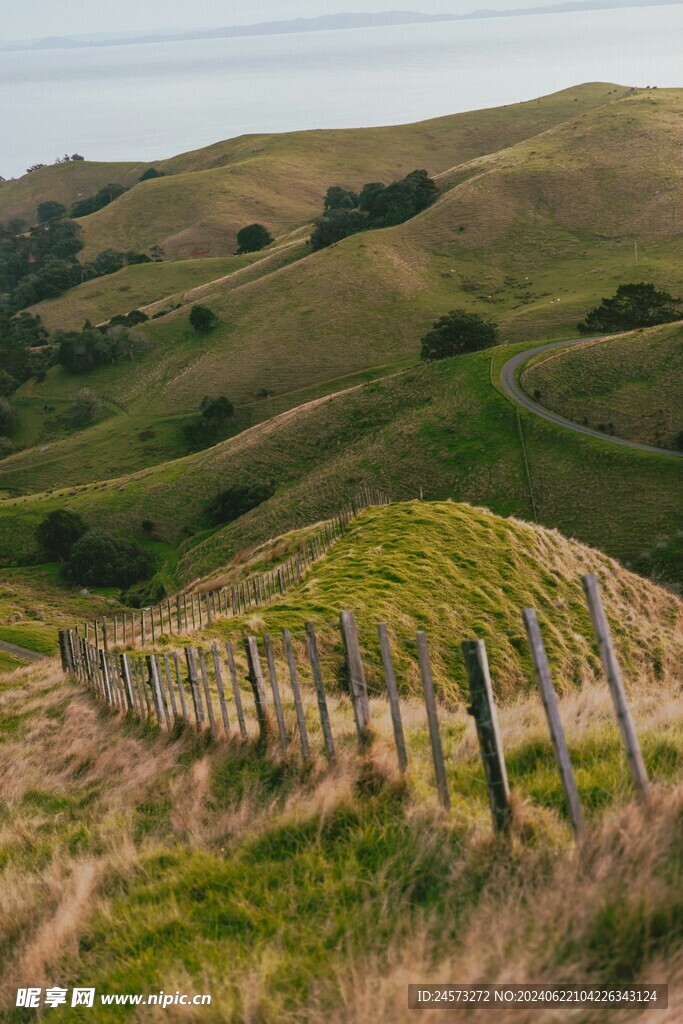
x=442, y=427
x=178, y=864
x=531, y=235
x=630, y=385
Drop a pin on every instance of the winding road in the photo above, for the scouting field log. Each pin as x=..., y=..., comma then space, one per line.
x=514, y=391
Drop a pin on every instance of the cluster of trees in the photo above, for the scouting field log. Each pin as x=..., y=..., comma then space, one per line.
x=236, y=501
x=375, y=206
x=81, y=351
x=632, y=306
x=23, y=351
x=151, y=173
x=66, y=159
x=41, y=262
x=105, y=196
x=210, y=425
x=456, y=333
x=92, y=557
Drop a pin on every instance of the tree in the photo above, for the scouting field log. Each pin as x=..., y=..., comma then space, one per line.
x=253, y=238
x=204, y=430
x=338, y=198
x=632, y=306
x=85, y=407
x=8, y=417
x=150, y=173
x=103, y=559
x=58, y=533
x=50, y=210
x=202, y=319
x=337, y=225
x=237, y=500
x=456, y=333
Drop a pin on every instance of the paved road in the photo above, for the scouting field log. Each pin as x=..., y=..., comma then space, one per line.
x=514, y=390
x=21, y=652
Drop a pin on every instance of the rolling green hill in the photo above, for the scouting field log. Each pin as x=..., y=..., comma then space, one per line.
x=443, y=427
x=630, y=385
x=531, y=235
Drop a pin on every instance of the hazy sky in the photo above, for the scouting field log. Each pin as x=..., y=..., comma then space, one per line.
x=29, y=19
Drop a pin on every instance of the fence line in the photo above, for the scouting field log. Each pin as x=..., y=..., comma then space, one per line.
x=191, y=611
x=150, y=689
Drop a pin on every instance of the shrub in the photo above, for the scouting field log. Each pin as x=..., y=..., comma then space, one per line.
x=205, y=429
x=456, y=333
x=150, y=173
x=253, y=238
x=50, y=210
x=58, y=533
x=103, y=559
x=202, y=319
x=103, y=198
x=84, y=408
x=237, y=500
x=8, y=417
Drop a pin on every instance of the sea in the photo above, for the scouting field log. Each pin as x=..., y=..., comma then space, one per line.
x=147, y=102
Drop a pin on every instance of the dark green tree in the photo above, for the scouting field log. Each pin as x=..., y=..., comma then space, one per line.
x=632, y=306
x=253, y=238
x=103, y=559
x=150, y=173
x=202, y=319
x=338, y=198
x=236, y=501
x=456, y=333
x=50, y=210
x=58, y=533
x=8, y=417
x=339, y=224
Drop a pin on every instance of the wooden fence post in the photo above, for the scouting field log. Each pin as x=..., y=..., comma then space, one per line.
x=320, y=690
x=169, y=687
x=179, y=684
x=257, y=686
x=104, y=669
x=207, y=691
x=125, y=672
x=159, y=705
x=236, y=691
x=357, y=684
x=275, y=687
x=483, y=709
x=296, y=692
x=552, y=713
x=433, y=720
x=194, y=686
x=616, y=685
x=219, y=687
x=394, y=703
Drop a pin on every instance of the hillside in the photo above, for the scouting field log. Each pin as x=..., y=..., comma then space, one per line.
x=442, y=427
x=234, y=869
x=630, y=385
x=559, y=212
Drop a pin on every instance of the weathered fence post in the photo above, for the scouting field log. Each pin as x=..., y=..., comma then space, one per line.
x=159, y=705
x=169, y=687
x=179, y=683
x=219, y=687
x=236, y=691
x=275, y=687
x=104, y=669
x=194, y=686
x=433, y=720
x=296, y=692
x=392, y=690
x=320, y=690
x=257, y=686
x=357, y=684
x=483, y=709
x=552, y=713
x=207, y=691
x=616, y=685
x=125, y=672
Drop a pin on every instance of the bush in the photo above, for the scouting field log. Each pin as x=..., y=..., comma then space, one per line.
x=632, y=306
x=58, y=533
x=235, y=501
x=205, y=429
x=202, y=319
x=456, y=333
x=253, y=238
x=103, y=559
x=8, y=417
x=103, y=198
x=84, y=408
